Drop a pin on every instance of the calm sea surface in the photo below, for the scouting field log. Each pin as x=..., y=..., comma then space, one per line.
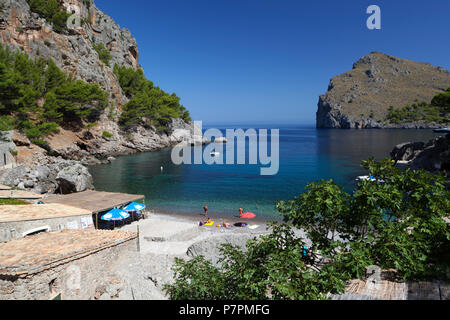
x=307, y=154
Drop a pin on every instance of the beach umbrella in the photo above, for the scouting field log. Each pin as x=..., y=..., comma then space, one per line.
x=134, y=206
x=115, y=215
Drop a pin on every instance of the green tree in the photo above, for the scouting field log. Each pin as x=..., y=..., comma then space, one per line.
x=24, y=82
x=52, y=11
x=272, y=267
x=148, y=105
x=397, y=221
x=54, y=76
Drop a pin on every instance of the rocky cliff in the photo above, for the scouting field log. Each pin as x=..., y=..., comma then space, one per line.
x=361, y=98
x=433, y=155
x=74, y=52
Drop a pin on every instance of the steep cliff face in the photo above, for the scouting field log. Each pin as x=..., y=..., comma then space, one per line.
x=73, y=51
x=360, y=98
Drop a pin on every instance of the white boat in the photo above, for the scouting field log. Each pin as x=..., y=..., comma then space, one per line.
x=215, y=154
x=442, y=130
x=368, y=178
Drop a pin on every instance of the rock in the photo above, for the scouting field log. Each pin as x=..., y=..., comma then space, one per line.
x=360, y=98
x=433, y=155
x=74, y=179
x=20, y=139
x=42, y=172
x=220, y=140
x=29, y=184
x=13, y=176
x=210, y=248
x=406, y=151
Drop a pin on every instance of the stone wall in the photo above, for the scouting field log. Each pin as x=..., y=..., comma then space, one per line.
x=84, y=277
x=17, y=229
x=7, y=159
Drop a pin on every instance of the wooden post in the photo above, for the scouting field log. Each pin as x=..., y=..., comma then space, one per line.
x=138, y=240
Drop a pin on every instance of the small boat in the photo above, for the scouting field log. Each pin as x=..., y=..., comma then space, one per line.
x=442, y=130
x=214, y=154
x=368, y=178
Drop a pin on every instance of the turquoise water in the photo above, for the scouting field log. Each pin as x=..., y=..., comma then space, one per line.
x=306, y=154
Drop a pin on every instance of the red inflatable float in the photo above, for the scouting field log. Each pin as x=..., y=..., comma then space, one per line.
x=247, y=215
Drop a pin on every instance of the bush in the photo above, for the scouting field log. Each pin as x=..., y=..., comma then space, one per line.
x=107, y=134
x=436, y=111
x=103, y=53
x=398, y=224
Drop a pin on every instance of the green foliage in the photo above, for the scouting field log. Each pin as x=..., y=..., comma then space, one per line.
x=442, y=100
x=272, y=268
x=51, y=10
x=321, y=219
x=436, y=111
x=42, y=130
x=400, y=220
x=24, y=82
x=103, y=53
x=395, y=222
x=75, y=100
x=148, y=105
x=107, y=134
x=12, y=202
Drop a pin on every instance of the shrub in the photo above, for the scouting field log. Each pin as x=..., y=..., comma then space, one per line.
x=436, y=111
x=398, y=224
x=107, y=134
x=103, y=53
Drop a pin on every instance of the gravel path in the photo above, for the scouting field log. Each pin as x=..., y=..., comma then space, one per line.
x=163, y=238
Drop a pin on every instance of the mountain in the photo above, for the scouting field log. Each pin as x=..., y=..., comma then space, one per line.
x=382, y=91
x=72, y=93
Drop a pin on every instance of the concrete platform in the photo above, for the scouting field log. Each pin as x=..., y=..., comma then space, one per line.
x=154, y=229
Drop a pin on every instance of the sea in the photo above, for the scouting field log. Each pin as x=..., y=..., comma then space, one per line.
x=306, y=154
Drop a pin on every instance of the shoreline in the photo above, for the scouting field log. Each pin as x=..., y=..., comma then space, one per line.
x=217, y=218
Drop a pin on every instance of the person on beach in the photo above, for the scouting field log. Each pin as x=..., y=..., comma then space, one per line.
x=241, y=211
x=206, y=210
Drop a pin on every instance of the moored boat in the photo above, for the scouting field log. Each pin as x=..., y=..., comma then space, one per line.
x=442, y=130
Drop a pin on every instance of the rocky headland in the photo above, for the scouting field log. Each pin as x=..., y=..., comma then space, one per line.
x=362, y=97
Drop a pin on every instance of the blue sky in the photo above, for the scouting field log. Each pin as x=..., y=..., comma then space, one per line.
x=267, y=61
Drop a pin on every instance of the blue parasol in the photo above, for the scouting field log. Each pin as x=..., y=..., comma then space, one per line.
x=115, y=215
x=134, y=206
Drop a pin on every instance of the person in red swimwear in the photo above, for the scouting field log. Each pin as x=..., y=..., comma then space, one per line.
x=241, y=211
